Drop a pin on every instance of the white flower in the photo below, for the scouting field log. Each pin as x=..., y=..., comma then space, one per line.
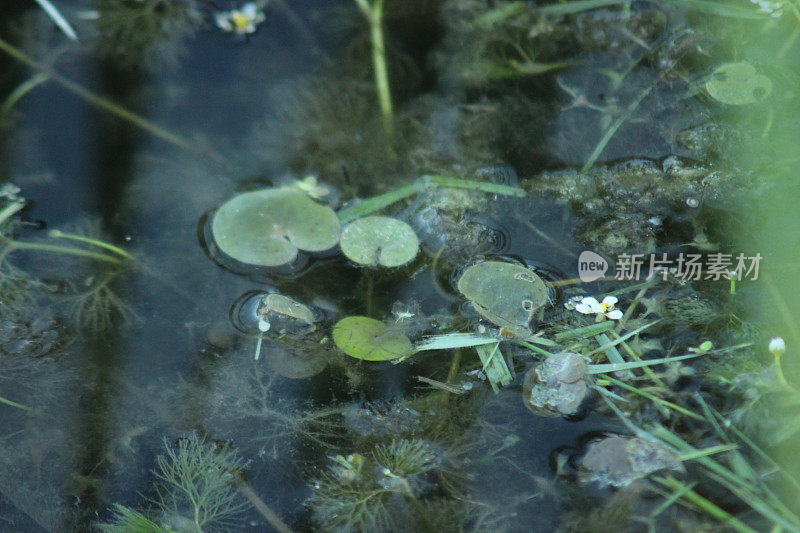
x=777, y=346
x=590, y=306
x=773, y=9
x=240, y=21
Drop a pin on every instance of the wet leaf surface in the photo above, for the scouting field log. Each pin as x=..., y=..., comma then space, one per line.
x=369, y=339
x=268, y=227
x=381, y=241
x=504, y=293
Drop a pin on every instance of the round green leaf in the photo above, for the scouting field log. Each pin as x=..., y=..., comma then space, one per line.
x=738, y=84
x=379, y=241
x=369, y=339
x=267, y=227
x=503, y=293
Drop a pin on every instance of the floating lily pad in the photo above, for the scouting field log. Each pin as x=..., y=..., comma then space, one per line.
x=369, y=339
x=504, y=293
x=379, y=241
x=267, y=227
x=738, y=84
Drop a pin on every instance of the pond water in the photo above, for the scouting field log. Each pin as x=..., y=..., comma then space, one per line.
x=171, y=362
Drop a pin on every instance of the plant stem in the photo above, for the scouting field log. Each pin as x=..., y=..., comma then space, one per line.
x=455, y=368
x=483, y=186
x=88, y=240
x=21, y=90
x=8, y=211
x=95, y=100
x=17, y=245
x=14, y=404
x=376, y=203
x=262, y=508
x=374, y=15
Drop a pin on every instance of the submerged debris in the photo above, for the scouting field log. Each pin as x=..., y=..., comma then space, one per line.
x=618, y=461
x=557, y=386
x=381, y=420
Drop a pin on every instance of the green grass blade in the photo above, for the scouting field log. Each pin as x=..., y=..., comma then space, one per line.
x=57, y=18
x=452, y=341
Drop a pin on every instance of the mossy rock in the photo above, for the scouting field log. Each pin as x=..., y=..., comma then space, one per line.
x=369, y=339
x=268, y=227
x=381, y=241
x=504, y=293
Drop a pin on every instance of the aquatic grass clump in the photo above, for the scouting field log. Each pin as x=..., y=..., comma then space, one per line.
x=92, y=302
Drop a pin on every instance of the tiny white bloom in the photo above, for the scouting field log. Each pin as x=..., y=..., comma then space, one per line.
x=572, y=302
x=777, y=346
x=590, y=306
x=263, y=325
x=240, y=21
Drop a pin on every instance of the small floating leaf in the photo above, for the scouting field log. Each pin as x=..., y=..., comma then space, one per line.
x=379, y=241
x=283, y=305
x=738, y=84
x=504, y=293
x=267, y=227
x=369, y=339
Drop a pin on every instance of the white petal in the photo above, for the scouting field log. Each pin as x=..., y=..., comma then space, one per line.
x=610, y=300
x=589, y=300
x=597, y=307
x=583, y=308
x=616, y=314
x=777, y=344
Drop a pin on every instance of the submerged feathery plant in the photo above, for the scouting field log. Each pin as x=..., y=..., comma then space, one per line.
x=148, y=32
x=196, y=483
x=376, y=492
